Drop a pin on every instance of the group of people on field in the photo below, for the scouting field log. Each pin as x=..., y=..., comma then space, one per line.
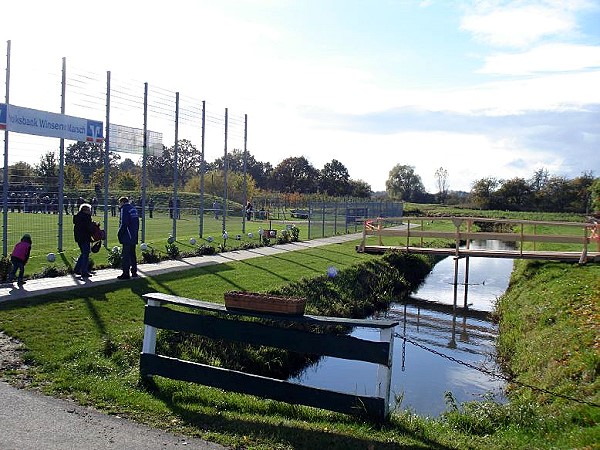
x=86, y=232
x=83, y=232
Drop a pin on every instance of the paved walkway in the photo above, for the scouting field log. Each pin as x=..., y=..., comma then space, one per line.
x=31, y=421
x=12, y=291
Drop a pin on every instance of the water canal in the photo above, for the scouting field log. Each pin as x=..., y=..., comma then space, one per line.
x=421, y=376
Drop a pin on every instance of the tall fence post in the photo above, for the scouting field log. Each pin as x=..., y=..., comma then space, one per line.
x=61, y=160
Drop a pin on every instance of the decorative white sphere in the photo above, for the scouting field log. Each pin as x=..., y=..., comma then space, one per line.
x=116, y=249
x=225, y=235
x=51, y=257
x=210, y=238
x=193, y=241
x=144, y=246
x=171, y=239
x=250, y=235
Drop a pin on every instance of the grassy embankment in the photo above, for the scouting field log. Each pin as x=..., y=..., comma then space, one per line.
x=85, y=345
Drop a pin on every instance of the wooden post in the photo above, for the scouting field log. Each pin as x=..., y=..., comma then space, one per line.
x=149, y=343
x=384, y=372
x=522, y=240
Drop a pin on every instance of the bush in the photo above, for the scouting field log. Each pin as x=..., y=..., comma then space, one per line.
x=52, y=272
x=115, y=258
x=205, y=250
x=150, y=255
x=172, y=250
x=295, y=231
x=5, y=266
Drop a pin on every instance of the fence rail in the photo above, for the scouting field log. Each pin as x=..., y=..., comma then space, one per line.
x=576, y=237
x=275, y=332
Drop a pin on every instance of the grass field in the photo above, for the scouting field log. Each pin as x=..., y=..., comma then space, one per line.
x=43, y=229
x=85, y=345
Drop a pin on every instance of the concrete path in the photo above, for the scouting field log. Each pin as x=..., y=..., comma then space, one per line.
x=29, y=420
x=13, y=291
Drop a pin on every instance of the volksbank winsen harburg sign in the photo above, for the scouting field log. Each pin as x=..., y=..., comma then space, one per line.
x=44, y=123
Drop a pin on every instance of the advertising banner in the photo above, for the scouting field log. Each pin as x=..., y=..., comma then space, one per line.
x=44, y=123
x=131, y=140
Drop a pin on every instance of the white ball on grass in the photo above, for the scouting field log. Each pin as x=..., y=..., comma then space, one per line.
x=51, y=257
x=143, y=246
x=193, y=241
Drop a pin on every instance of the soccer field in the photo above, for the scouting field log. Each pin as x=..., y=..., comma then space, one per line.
x=44, y=230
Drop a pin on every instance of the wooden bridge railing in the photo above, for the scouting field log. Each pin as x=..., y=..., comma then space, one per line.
x=462, y=230
x=222, y=324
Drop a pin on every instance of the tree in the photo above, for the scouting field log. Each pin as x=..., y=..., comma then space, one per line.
x=360, y=189
x=595, y=190
x=128, y=166
x=404, y=184
x=160, y=168
x=514, y=194
x=88, y=156
x=556, y=194
x=126, y=181
x=260, y=172
x=47, y=170
x=72, y=177
x=334, y=179
x=581, y=188
x=482, y=192
x=20, y=173
x=441, y=178
x=213, y=185
x=295, y=174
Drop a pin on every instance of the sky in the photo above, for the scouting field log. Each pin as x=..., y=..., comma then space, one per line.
x=485, y=88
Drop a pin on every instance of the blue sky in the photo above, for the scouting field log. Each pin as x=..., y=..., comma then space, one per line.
x=484, y=88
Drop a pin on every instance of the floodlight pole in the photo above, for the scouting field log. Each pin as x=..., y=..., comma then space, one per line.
x=61, y=159
x=225, y=168
x=175, y=209
x=202, y=170
x=144, y=162
x=5, y=170
x=245, y=163
x=107, y=156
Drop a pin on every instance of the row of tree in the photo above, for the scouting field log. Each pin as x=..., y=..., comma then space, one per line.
x=541, y=192
x=84, y=163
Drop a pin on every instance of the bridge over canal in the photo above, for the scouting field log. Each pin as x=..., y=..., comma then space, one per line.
x=533, y=239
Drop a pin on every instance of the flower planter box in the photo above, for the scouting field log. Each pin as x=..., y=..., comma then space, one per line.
x=250, y=301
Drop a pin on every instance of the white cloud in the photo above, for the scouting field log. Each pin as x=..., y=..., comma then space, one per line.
x=518, y=24
x=545, y=58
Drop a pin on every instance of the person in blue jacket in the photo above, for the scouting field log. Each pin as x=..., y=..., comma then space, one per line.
x=129, y=223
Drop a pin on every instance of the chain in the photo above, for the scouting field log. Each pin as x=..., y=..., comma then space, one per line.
x=487, y=372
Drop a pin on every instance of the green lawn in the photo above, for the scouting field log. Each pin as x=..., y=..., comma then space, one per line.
x=43, y=229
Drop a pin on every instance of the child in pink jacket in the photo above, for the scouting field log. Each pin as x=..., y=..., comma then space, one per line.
x=19, y=257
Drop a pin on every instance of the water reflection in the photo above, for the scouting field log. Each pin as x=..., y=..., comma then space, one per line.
x=420, y=375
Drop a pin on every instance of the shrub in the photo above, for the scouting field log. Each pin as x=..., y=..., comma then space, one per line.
x=295, y=232
x=205, y=250
x=172, y=250
x=5, y=266
x=150, y=255
x=115, y=257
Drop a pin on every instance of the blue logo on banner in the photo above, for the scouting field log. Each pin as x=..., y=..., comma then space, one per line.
x=3, y=109
x=94, y=131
